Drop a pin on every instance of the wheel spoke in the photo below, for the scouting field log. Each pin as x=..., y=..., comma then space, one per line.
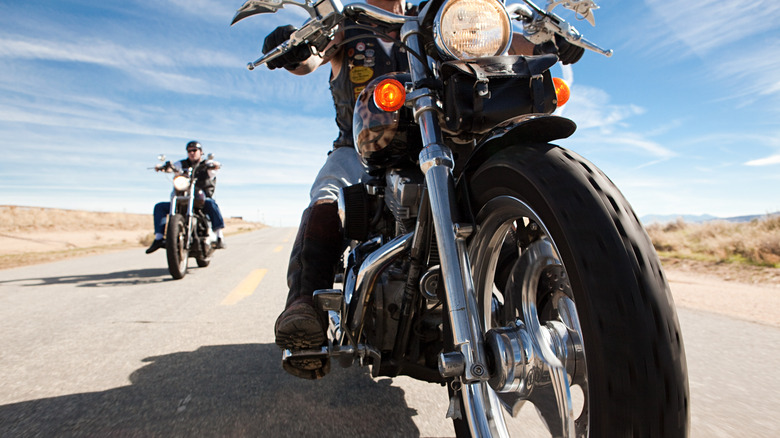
x=536, y=311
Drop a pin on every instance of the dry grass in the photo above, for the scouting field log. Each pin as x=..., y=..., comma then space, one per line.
x=745, y=252
x=755, y=243
x=25, y=219
x=30, y=235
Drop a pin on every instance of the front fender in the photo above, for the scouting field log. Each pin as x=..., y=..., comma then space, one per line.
x=537, y=128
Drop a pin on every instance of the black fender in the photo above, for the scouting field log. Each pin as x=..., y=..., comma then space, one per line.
x=532, y=129
x=537, y=128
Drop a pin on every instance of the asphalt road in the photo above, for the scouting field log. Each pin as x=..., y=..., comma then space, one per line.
x=110, y=345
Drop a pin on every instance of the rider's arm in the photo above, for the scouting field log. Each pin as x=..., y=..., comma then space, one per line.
x=520, y=45
x=212, y=167
x=314, y=62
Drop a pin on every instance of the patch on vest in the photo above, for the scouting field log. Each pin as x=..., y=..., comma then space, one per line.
x=358, y=90
x=360, y=75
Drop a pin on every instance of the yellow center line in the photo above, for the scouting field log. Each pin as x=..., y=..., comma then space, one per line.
x=278, y=248
x=246, y=288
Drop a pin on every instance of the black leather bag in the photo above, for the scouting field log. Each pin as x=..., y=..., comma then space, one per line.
x=483, y=93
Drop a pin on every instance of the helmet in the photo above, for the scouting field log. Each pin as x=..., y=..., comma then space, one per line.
x=194, y=144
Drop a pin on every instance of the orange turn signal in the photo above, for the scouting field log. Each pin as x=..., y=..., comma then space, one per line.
x=390, y=95
x=562, y=91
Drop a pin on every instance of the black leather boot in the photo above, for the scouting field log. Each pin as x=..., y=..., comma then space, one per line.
x=313, y=262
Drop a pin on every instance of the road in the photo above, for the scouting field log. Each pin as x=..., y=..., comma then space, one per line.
x=110, y=345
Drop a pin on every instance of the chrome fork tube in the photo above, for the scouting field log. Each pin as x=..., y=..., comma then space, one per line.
x=436, y=162
x=190, y=216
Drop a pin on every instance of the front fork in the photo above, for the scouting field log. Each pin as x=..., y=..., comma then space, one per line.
x=190, y=216
x=468, y=359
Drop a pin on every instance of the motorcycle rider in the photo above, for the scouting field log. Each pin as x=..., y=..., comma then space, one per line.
x=318, y=244
x=205, y=180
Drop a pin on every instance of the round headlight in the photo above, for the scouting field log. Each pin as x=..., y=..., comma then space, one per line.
x=467, y=29
x=181, y=183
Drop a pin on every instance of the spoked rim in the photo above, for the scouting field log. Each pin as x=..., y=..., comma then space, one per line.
x=531, y=328
x=181, y=250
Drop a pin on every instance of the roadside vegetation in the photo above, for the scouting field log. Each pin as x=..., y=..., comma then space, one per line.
x=31, y=235
x=747, y=251
x=755, y=243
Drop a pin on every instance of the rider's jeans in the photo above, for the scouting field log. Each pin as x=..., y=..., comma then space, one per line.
x=341, y=169
x=211, y=208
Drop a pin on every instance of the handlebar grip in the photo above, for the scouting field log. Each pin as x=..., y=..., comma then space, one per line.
x=585, y=44
x=275, y=53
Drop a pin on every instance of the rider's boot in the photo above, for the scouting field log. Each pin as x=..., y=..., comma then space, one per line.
x=313, y=262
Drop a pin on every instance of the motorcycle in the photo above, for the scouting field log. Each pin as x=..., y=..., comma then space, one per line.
x=483, y=257
x=188, y=228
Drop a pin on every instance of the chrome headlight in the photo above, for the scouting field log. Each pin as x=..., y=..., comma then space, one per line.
x=467, y=29
x=181, y=183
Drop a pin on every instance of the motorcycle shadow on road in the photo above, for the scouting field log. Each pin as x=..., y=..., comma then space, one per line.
x=133, y=277
x=223, y=390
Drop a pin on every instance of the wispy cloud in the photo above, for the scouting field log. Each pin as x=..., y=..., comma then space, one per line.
x=709, y=25
x=602, y=122
x=591, y=107
x=737, y=41
x=205, y=8
x=774, y=159
x=754, y=71
x=111, y=54
x=771, y=160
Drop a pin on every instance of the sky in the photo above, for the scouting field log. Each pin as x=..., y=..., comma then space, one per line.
x=684, y=117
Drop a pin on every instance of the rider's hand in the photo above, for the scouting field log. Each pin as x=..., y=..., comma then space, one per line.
x=568, y=53
x=291, y=59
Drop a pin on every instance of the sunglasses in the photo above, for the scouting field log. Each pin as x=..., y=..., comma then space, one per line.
x=189, y=151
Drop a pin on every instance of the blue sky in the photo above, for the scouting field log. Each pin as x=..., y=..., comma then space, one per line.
x=685, y=117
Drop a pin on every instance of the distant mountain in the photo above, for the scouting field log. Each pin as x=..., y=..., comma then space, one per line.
x=694, y=219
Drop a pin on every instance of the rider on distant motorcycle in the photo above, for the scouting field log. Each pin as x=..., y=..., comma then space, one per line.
x=205, y=180
x=318, y=245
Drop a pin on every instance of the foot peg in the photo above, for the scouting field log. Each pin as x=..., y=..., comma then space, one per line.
x=321, y=353
x=328, y=300
x=319, y=359
x=307, y=364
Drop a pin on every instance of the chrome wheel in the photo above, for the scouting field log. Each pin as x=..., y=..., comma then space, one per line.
x=531, y=326
x=178, y=252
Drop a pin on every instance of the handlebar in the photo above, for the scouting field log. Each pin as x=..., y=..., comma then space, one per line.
x=275, y=53
x=539, y=26
x=167, y=166
x=320, y=30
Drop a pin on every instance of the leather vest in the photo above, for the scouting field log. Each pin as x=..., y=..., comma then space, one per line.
x=202, y=179
x=362, y=60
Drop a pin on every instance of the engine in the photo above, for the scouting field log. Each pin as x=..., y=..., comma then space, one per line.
x=402, y=197
x=366, y=209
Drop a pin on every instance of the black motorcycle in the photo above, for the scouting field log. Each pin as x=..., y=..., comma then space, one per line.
x=188, y=229
x=483, y=257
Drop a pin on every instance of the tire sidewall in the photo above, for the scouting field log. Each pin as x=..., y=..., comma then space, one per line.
x=630, y=329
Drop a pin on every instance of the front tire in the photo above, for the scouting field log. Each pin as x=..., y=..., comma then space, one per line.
x=584, y=288
x=178, y=253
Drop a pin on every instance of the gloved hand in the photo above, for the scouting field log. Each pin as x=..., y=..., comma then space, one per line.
x=291, y=59
x=568, y=53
